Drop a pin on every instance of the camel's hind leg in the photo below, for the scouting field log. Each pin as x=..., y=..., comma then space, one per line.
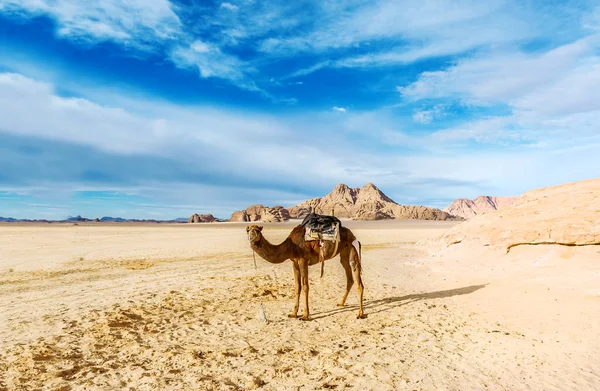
x=355, y=263
x=345, y=261
x=297, y=288
x=304, y=277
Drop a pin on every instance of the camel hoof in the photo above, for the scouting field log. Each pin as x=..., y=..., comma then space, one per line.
x=340, y=304
x=305, y=318
x=292, y=316
x=361, y=316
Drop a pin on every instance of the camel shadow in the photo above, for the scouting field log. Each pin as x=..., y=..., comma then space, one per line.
x=389, y=303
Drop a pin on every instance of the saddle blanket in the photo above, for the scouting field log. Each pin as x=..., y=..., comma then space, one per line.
x=321, y=227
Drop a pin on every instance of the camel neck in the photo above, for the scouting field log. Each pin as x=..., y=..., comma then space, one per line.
x=270, y=252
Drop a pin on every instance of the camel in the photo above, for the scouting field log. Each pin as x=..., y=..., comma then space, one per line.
x=304, y=254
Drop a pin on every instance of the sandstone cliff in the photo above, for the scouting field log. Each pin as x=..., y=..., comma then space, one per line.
x=483, y=204
x=261, y=213
x=366, y=203
x=566, y=215
x=203, y=218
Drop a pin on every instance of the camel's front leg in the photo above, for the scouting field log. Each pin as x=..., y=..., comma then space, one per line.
x=304, y=277
x=297, y=288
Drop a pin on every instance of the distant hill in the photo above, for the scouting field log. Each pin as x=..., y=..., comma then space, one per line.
x=13, y=220
x=108, y=218
x=202, y=218
x=483, y=204
x=261, y=213
x=366, y=203
x=79, y=219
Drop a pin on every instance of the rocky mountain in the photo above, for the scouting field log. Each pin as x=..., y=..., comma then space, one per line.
x=567, y=215
x=366, y=203
x=202, y=218
x=483, y=204
x=261, y=213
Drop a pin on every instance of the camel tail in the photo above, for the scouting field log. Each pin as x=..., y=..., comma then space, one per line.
x=322, y=256
x=357, y=246
x=322, y=263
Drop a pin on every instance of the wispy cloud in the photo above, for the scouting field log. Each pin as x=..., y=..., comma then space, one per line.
x=229, y=6
x=147, y=26
x=346, y=34
x=339, y=109
x=428, y=116
x=202, y=136
x=502, y=77
x=539, y=89
x=388, y=33
x=211, y=61
x=139, y=23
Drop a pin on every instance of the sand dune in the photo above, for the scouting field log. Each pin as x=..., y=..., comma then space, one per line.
x=178, y=307
x=566, y=215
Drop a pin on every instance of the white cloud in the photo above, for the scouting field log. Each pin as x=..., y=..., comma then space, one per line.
x=260, y=149
x=591, y=20
x=229, y=6
x=486, y=131
x=212, y=62
x=225, y=140
x=201, y=47
x=138, y=23
x=413, y=29
x=423, y=117
x=538, y=88
x=418, y=30
x=149, y=25
x=338, y=109
x=576, y=92
x=428, y=116
x=252, y=21
x=503, y=77
x=346, y=23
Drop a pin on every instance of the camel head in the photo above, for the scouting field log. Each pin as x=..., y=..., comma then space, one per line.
x=254, y=233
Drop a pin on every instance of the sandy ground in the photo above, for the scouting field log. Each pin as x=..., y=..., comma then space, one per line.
x=177, y=307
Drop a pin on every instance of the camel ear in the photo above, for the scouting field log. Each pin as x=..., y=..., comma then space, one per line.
x=260, y=227
x=247, y=228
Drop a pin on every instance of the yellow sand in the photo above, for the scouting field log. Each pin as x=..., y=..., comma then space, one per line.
x=177, y=307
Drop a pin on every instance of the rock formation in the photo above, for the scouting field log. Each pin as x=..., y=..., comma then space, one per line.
x=483, y=204
x=261, y=213
x=366, y=203
x=564, y=215
x=203, y=218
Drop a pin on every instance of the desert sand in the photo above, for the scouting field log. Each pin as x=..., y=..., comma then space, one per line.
x=177, y=307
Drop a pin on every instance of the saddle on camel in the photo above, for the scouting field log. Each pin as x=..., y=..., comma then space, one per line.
x=321, y=228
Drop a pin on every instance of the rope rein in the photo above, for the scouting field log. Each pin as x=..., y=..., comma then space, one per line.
x=262, y=307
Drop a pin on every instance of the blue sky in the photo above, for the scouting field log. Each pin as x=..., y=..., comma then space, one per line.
x=159, y=109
